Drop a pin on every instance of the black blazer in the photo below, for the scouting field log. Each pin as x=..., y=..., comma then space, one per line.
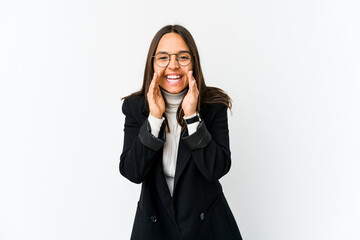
x=198, y=209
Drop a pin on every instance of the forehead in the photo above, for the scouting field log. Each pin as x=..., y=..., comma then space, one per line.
x=171, y=43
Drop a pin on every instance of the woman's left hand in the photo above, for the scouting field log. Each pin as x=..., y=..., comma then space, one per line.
x=190, y=100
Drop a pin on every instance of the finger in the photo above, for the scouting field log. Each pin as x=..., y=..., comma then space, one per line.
x=194, y=85
x=157, y=82
x=159, y=92
x=190, y=77
x=161, y=72
x=194, y=88
x=155, y=77
x=189, y=74
x=192, y=81
x=152, y=84
x=151, y=92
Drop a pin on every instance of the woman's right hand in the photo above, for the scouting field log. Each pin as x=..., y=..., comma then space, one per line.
x=154, y=97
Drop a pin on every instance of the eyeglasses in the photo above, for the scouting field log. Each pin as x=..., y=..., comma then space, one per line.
x=183, y=58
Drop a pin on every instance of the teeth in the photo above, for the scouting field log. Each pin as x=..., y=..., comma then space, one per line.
x=173, y=77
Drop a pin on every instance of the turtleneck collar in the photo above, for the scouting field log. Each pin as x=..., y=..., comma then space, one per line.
x=173, y=99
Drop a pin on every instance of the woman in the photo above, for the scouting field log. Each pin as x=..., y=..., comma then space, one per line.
x=176, y=144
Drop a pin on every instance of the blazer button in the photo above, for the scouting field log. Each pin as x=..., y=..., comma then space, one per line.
x=153, y=219
x=202, y=216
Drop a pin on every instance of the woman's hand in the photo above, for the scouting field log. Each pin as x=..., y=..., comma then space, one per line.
x=154, y=97
x=190, y=100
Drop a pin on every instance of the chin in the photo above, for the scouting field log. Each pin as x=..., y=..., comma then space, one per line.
x=174, y=90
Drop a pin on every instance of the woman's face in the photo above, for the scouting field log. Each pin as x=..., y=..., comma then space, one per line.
x=173, y=43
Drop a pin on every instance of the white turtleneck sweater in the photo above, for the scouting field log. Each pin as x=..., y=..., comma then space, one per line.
x=171, y=144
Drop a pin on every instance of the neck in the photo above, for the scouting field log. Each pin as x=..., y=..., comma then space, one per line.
x=173, y=99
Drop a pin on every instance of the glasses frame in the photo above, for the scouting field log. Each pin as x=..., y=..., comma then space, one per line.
x=177, y=60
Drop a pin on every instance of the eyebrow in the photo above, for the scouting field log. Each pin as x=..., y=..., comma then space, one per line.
x=177, y=52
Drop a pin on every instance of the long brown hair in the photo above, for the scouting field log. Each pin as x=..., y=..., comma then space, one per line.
x=206, y=94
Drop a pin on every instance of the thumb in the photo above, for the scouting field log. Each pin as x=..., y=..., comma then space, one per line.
x=190, y=76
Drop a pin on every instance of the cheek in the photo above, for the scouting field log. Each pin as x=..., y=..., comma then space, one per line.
x=156, y=68
x=186, y=82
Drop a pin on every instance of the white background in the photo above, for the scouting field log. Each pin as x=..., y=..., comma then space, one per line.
x=291, y=68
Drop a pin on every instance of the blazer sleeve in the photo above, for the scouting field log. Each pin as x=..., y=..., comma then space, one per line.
x=139, y=148
x=210, y=148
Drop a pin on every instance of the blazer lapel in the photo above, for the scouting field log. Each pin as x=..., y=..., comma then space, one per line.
x=184, y=153
x=163, y=189
x=183, y=157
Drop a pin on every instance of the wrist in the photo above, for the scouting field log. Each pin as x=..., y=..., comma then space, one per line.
x=192, y=118
x=156, y=115
x=189, y=114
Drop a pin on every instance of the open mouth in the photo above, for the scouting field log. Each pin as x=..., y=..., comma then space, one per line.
x=174, y=79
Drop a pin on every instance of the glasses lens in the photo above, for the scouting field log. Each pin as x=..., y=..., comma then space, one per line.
x=184, y=58
x=162, y=59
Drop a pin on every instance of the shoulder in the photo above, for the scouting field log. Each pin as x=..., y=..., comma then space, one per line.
x=214, y=100
x=134, y=100
x=210, y=111
x=134, y=105
x=213, y=108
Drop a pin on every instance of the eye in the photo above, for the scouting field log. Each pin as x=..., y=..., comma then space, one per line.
x=162, y=57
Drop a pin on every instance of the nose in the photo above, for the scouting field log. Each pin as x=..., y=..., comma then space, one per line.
x=173, y=62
